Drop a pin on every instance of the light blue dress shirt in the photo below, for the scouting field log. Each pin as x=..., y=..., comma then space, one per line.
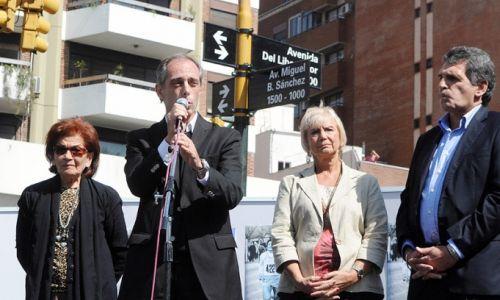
x=433, y=186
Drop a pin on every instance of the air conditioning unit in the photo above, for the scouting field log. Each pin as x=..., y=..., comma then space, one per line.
x=37, y=85
x=344, y=10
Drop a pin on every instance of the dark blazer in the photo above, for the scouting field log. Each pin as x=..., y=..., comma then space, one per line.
x=469, y=209
x=100, y=239
x=205, y=209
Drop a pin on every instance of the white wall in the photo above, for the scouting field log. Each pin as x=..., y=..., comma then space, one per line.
x=24, y=164
x=112, y=105
x=253, y=3
x=274, y=146
x=119, y=27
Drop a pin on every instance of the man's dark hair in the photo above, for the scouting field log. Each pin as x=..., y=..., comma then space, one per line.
x=478, y=68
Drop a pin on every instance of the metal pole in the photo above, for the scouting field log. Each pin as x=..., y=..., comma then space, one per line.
x=243, y=67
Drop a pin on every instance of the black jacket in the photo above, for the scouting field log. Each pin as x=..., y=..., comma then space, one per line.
x=469, y=209
x=100, y=239
x=205, y=210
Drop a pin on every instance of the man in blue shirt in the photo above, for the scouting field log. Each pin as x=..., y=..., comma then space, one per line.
x=448, y=224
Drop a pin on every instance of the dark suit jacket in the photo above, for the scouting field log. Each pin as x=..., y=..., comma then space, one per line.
x=99, y=240
x=469, y=209
x=205, y=209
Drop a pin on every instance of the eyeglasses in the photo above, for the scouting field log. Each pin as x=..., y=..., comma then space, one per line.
x=76, y=151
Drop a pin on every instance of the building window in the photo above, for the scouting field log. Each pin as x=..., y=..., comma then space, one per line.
x=282, y=165
x=332, y=15
x=429, y=7
x=280, y=36
x=222, y=18
x=9, y=47
x=416, y=123
x=428, y=63
x=294, y=25
x=303, y=22
x=428, y=120
x=333, y=57
x=87, y=60
x=112, y=141
x=112, y=148
x=335, y=100
x=310, y=20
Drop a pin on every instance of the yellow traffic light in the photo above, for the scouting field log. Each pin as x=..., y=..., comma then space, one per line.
x=34, y=23
x=8, y=14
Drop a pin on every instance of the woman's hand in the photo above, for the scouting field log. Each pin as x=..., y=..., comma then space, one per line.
x=332, y=283
x=305, y=284
x=301, y=283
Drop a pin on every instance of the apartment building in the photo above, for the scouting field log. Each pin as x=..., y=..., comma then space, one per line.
x=101, y=65
x=381, y=58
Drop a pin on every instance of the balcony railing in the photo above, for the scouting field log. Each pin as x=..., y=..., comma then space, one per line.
x=130, y=26
x=134, y=4
x=112, y=101
x=111, y=78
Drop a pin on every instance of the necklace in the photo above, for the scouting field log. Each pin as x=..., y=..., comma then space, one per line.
x=67, y=206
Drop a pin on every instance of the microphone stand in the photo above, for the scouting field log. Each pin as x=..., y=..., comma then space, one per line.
x=166, y=219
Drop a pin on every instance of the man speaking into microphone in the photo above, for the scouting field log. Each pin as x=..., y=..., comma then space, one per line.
x=206, y=187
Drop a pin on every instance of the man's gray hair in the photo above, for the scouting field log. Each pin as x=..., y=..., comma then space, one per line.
x=161, y=70
x=478, y=67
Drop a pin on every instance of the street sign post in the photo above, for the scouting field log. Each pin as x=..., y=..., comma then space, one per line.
x=279, y=86
x=220, y=43
x=266, y=53
x=223, y=98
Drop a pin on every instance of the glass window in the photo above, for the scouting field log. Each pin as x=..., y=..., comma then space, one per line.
x=303, y=22
x=112, y=141
x=87, y=61
x=113, y=148
x=280, y=36
x=9, y=45
x=282, y=165
x=332, y=15
x=335, y=100
x=294, y=25
x=222, y=18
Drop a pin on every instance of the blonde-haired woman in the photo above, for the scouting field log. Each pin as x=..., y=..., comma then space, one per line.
x=329, y=232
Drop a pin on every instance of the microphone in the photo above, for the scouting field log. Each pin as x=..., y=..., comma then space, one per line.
x=184, y=102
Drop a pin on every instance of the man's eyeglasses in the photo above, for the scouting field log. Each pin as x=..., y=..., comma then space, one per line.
x=76, y=151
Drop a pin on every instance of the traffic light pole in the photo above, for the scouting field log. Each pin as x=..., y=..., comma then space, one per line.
x=243, y=67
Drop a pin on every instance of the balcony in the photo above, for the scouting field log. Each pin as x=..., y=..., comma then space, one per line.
x=112, y=101
x=15, y=79
x=129, y=26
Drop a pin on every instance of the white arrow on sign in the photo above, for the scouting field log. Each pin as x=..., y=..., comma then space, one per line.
x=222, y=52
x=221, y=106
x=219, y=38
x=224, y=91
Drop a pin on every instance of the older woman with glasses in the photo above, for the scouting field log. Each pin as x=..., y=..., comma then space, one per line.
x=329, y=231
x=71, y=235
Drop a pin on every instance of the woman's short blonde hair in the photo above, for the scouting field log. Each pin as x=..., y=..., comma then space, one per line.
x=315, y=117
